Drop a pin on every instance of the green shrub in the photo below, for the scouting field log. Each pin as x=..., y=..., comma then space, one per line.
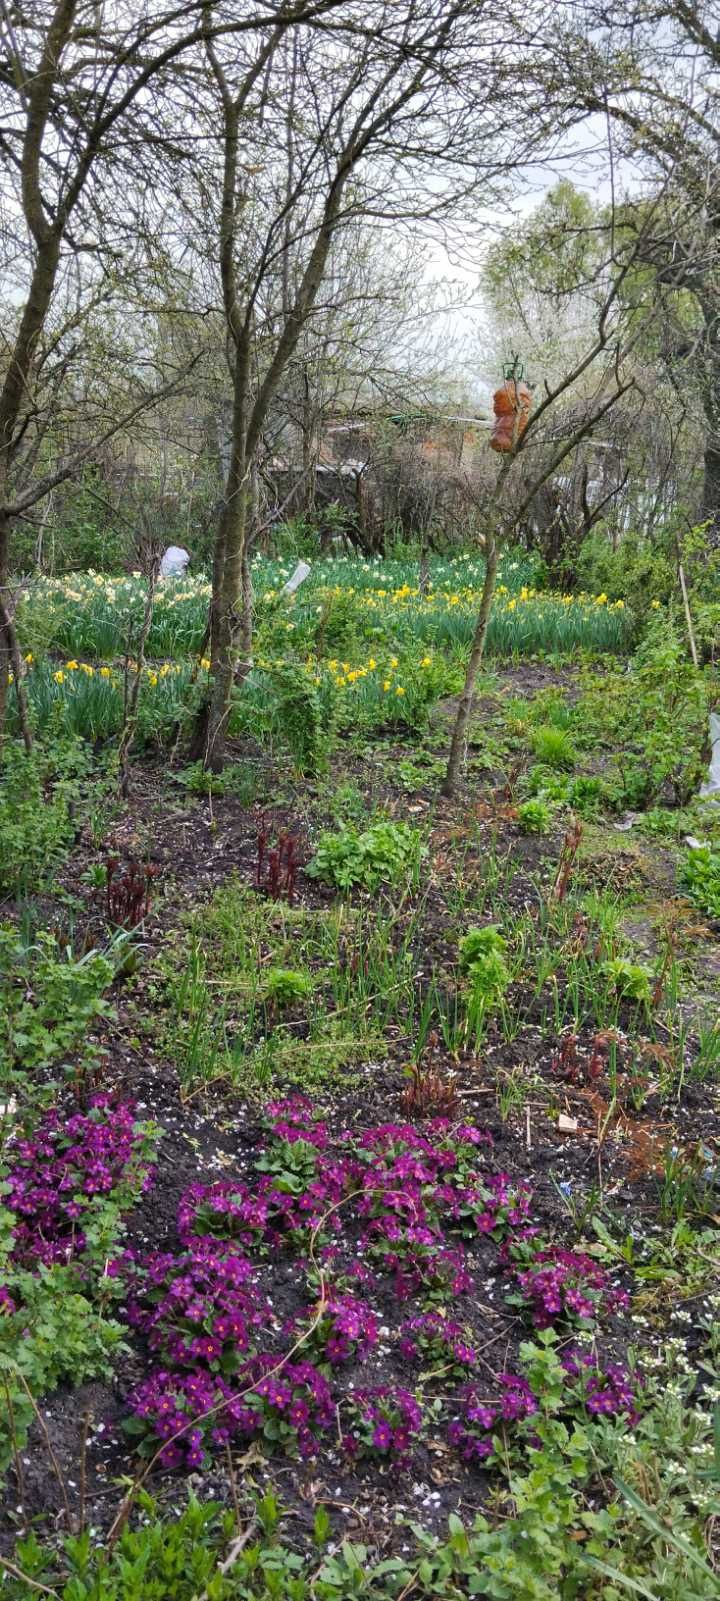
x=283, y=986
x=482, y=957
x=534, y=816
x=385, y=853
x=657, y=716
x=241, y=780
x=629, y=980
x=175, y=1558
x=551, y=785
x=283, y=704
x=49, y=999
x=36, y=824
x=56, y=1334
x=635, y=571
x=586, y=794
x=673, y=712
x=553, y=746
x=700, y=876
x=481, y=942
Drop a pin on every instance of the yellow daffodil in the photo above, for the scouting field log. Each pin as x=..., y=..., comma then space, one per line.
x=71, y=667
x=29, y=657
x=152, y=679
x=601, y=600
x=386, y=684
x=426, y=661
x=393, y=661
x=204, y=663
x=59, y=676
x=655, y=605
x=104, y=672
x=399, y=689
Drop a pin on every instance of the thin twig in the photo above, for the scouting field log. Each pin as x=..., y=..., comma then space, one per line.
x=34, y=1584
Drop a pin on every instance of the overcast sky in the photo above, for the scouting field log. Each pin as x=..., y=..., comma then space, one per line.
x=586, y=160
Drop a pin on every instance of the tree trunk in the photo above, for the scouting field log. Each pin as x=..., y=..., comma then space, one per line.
x=458, y=744
x=710, y=505
x=230, y=630
x=5, y=653
x=245, y=636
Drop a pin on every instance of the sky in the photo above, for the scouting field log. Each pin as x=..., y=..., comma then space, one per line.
x=464, y=331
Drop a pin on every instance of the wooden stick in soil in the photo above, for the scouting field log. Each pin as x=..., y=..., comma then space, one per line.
x=229, y=1561
x=83, y=1470
x=458, y=744
x=688, y=617
x=131, y=700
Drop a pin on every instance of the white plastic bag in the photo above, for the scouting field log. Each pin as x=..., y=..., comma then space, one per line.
x=712, y=787
x=300, y=574
x=175, y=562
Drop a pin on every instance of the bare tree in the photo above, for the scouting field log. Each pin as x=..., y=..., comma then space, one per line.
x=394, y=117
x=606, y=359
x=651, y=71
x=87, y=95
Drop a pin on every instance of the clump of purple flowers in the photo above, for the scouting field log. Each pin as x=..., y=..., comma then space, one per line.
x=439, y=1339
x=382, y=1422
x=179, y=1409
x=418, y=1260
x=294, y=1118
x=201, y=1307
x=605, y=1392
x=293, y=1406
x=289, y=1405
x=472, y=1432
x=392, y=1203
x=418, y=1188
x=66, y=1165
x=265, y=1215
x=347, y=1331
x=564, y=1286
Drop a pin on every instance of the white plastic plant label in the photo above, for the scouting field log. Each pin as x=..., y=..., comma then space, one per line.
x=300, y=574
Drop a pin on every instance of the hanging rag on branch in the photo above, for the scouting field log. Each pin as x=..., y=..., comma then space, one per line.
x=511, y=405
